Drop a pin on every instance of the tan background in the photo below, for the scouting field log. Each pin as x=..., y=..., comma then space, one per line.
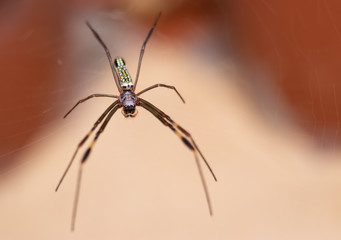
x=272, y=144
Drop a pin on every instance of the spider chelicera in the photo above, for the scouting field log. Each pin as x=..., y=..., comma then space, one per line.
x=128, y=100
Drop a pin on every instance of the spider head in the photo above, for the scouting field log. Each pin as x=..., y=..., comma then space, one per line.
x=129, y=111
x=128, y=100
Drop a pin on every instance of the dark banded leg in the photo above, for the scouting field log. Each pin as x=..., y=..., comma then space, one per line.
x=161, y=85
x=143, y=48
x=83, y=141
x=190, y=144
x=85, y=157
x=87, y=98
x=181, y=129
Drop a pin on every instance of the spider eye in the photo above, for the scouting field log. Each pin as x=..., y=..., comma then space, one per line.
x=115, y=63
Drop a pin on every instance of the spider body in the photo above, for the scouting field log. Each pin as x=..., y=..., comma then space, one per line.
x=123, y=75
x=128, y=100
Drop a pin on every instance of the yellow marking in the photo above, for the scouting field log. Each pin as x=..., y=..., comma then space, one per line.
x=123, y=74
x=178, y=134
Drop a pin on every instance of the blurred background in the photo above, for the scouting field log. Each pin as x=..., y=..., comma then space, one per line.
x=263, y=102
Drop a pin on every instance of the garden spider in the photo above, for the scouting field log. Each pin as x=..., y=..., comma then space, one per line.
x=128, y=100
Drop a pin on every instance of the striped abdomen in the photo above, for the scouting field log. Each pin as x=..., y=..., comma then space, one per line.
x=123, y=74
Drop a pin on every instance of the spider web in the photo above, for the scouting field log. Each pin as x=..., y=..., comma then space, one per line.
x=272, y=140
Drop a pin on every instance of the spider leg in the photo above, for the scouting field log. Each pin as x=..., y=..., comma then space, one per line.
x=85, y=157
x=108, y=55
x=83, y=141
x=181, y=129
x=190, y=144
x=161, y=85
x=143, y=48
x=87, y=98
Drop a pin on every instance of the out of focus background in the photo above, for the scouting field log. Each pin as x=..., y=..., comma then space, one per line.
x=263, y=102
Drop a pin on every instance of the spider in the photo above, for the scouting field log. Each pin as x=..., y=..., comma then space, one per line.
x=128, y=100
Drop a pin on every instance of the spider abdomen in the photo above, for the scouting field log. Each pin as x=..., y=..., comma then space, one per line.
x=123, y=74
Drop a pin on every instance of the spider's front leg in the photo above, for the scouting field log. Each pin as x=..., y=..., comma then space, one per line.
x=85, y=157
x=186, y=138
x=80, y=144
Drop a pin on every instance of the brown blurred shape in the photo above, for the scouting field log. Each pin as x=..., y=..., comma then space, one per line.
x=300, y=42
x=29, y=46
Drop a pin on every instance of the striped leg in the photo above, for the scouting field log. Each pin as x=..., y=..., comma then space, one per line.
x=83, y=141
x=85, y=157
x=186, y=139
x=181, y=129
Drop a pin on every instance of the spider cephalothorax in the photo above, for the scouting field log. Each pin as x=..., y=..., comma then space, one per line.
x=128, y=100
